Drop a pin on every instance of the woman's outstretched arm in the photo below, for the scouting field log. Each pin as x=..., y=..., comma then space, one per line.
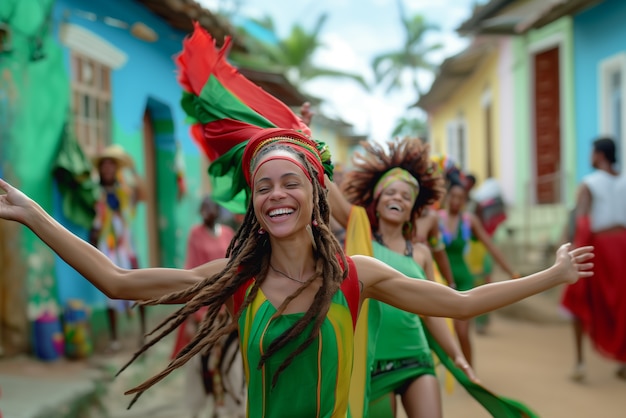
x=423, y=297
x=439, y=329
x=115, y=282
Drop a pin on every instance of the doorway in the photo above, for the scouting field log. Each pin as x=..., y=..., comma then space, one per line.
x=150, y=180
x=13, y=322
x=547, y=111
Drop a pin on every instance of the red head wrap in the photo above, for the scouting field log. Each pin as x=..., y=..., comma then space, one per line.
x=287, y=137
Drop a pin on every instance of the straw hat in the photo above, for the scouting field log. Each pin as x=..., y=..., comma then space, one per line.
x=114, y=152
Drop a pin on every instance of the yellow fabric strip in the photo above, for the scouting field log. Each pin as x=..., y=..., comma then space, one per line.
x=359, y=242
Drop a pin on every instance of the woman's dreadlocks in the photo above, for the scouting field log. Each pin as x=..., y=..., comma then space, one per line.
x=249, y=255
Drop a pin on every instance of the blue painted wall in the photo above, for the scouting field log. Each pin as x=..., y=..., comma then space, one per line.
x=150, y=69
x=599, y=33
x=147, y=80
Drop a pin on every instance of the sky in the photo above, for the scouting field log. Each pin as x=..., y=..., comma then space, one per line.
x=355, y=32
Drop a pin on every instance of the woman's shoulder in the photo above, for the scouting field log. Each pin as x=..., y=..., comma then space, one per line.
x=469, y=217
x=368, y=266
x=421, y=249
x=421, y=254
x=359, y=259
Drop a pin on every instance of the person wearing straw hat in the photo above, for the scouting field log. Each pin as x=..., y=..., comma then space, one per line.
x=111, y=230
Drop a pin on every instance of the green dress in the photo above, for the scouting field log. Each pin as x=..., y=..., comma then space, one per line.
x=316, y=383
x=402, y=352
x=456, y=245
x=497, y=406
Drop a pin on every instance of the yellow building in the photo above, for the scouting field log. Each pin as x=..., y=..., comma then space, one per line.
x=464, y=112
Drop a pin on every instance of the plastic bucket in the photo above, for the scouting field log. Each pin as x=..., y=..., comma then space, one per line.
x=48, y=337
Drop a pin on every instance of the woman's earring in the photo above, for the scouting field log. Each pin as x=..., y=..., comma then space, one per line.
x=261, y=231
x=314, y=222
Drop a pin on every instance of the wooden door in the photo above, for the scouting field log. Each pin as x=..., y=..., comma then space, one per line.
x=152, y=211
x=547, y=111
x=14, y=326
x=4, y=283
x=488, y=140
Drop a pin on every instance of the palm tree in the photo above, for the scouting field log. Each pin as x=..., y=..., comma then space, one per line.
x=262, y=50
x=389, y=67
x=292, y=55
x=410, y=126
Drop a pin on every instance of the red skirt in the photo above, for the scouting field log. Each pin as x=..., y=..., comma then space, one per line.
x=600, y=301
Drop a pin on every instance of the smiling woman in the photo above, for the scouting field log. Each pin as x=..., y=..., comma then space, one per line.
x=387, y=189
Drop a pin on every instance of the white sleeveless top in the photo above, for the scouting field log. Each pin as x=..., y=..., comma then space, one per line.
x=608, y=204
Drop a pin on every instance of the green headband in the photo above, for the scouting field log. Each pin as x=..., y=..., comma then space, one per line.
x=396, y=174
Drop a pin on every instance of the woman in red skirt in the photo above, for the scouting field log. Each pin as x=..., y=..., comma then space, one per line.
x=598, y=306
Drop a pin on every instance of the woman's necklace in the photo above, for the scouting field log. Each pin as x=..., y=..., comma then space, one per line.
x=408, y=250
x=287, y=276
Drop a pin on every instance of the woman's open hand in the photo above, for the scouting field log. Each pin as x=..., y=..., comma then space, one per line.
x=306, y=114
x=574, y=264
x=462, y=364
x=13, y=203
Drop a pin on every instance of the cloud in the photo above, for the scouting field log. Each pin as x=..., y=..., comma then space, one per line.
x=339, y=54
x=356, y=31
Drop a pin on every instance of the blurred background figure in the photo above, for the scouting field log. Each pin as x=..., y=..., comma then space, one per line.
x=598, y=306
x=111, y=232
x=427, y=229
x=490, y=207
x=217, y=375
x=458, y=228
x=487, y=204
x=210, y=239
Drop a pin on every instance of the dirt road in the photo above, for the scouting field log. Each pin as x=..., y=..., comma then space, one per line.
x=523, y=360
x=531, y=362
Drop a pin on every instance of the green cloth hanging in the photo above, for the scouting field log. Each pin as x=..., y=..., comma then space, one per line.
x=498, y=406
x=72, y=171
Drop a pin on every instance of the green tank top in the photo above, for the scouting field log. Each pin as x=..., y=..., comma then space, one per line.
x=400, y=334
x=317, y=382
x=456, y=245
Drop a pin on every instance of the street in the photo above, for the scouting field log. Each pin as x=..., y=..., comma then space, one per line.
x=164, y=400
x=530, y=363
x=526, y=361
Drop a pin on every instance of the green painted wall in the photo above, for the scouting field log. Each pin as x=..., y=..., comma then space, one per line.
x=176, y=216
x=34, y=103
x=37, y=105
x=187, y=213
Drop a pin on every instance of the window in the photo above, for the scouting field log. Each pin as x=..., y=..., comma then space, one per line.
x=612, y=75
x=456, y=142
x=92, y=60
x=91, y=103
